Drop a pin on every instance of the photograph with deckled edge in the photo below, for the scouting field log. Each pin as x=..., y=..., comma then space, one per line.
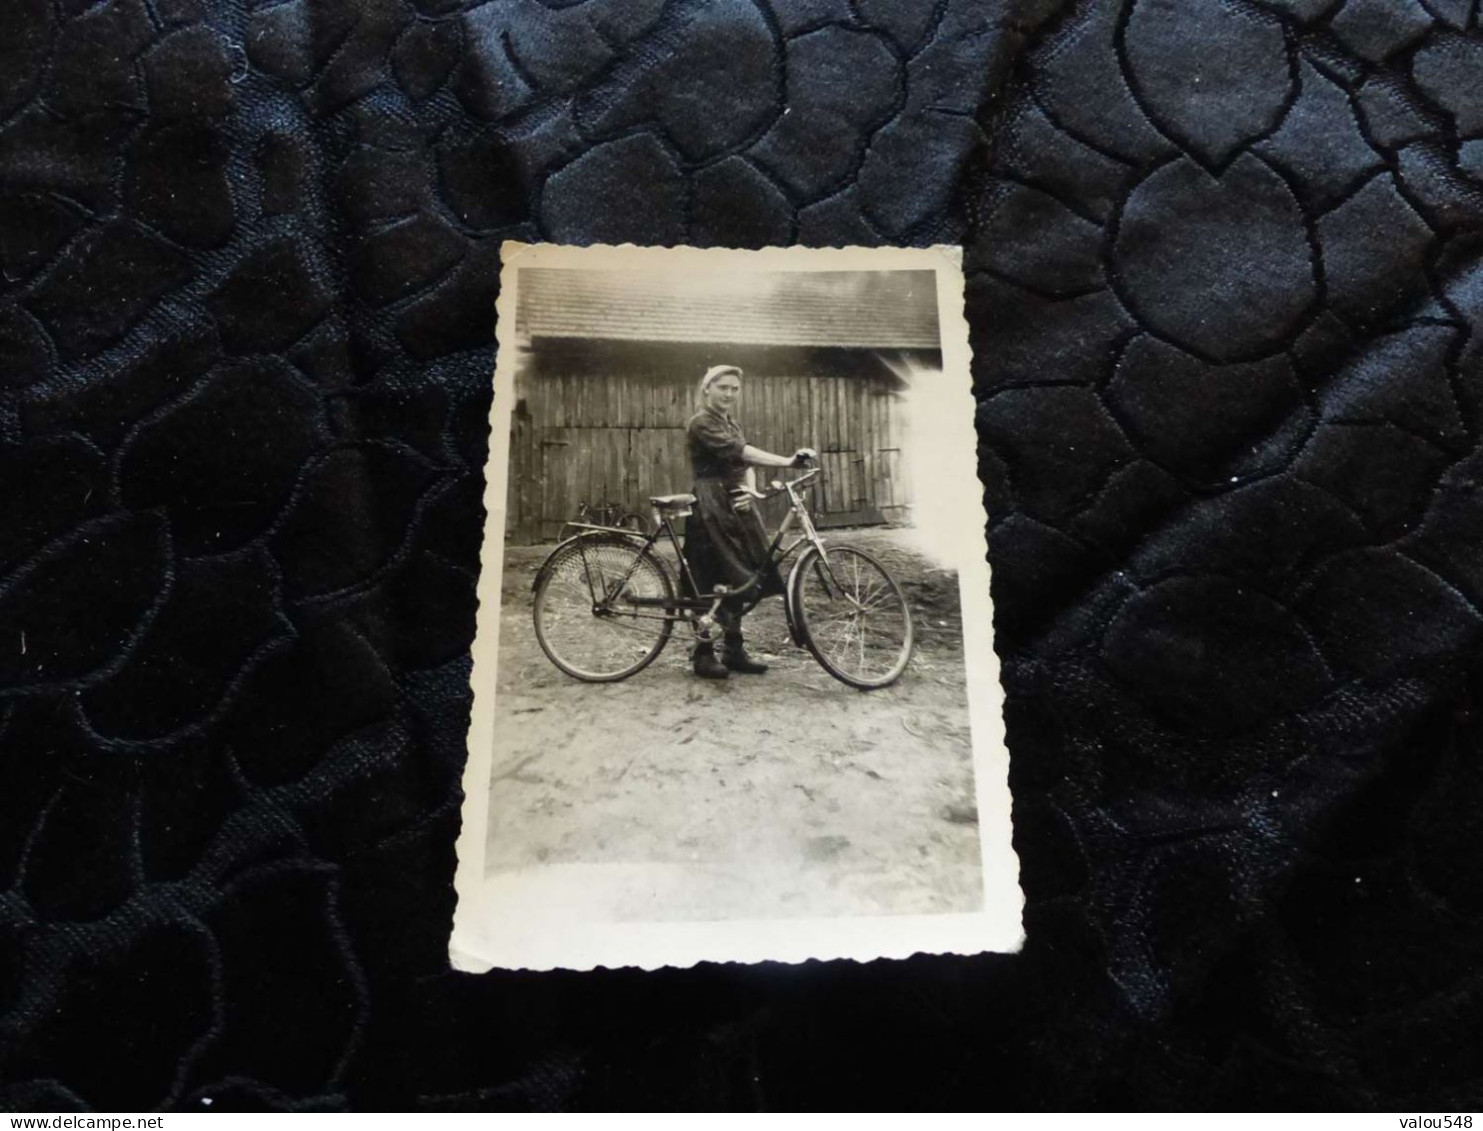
x=723, y=688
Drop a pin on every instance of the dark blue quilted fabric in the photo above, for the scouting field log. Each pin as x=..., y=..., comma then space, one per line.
x=1226, y=289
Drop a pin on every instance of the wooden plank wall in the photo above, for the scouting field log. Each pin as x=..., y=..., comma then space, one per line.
x=579, y=437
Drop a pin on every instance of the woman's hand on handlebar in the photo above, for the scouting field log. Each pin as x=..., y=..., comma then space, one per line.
x=804, y=456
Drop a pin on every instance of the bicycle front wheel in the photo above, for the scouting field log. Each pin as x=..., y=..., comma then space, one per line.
x=586, y=618
x=852, y=616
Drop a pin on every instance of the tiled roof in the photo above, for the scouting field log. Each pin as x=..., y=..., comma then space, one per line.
x=863, y=309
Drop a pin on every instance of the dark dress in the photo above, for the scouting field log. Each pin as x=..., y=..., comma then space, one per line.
x=722, y=546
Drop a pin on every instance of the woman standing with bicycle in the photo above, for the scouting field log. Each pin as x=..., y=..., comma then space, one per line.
x=724, y=540
x=605, y=602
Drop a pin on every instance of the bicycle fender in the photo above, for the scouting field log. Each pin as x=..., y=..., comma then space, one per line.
x=789, y=612
x=594, y=536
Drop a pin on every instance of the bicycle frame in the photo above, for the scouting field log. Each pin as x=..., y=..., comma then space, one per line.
x=701, y=605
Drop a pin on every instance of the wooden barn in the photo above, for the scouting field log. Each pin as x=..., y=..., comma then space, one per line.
x=610, y=363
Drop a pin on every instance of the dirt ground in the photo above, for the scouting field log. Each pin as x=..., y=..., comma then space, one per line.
x=775, y=796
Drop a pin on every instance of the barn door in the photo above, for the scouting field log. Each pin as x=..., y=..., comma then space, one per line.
x=845, y=498
x=560, y=479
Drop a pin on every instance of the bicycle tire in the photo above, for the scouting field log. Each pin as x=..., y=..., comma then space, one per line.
x=589, y=646
x=851, y=605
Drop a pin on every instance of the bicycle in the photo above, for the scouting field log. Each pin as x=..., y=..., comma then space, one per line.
x=606, y=603
x=606, y=515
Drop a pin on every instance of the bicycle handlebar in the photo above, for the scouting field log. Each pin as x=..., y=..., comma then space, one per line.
x=778, y=486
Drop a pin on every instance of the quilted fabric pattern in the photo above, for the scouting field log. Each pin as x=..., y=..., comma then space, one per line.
x=1226, y=288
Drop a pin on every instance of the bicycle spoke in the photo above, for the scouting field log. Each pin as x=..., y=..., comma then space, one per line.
x=885, y=599
x=863, y=658
x=834, y=637
x=884, y=645
x=838, y=612
x=832, y=642
x=839, y=631
x=837, y=652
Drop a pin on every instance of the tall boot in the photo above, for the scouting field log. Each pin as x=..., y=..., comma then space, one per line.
x=706, y=664
x=734, y=654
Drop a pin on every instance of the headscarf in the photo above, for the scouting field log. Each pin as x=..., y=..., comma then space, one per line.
x=715, y=372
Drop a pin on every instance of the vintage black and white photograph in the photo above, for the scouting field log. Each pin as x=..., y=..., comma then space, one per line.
x=735, y=691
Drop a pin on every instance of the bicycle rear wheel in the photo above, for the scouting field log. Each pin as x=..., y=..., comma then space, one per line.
x=585, y=619
x=852, y=616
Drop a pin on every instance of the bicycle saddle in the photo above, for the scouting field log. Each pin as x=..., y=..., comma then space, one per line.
x=672, y=502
